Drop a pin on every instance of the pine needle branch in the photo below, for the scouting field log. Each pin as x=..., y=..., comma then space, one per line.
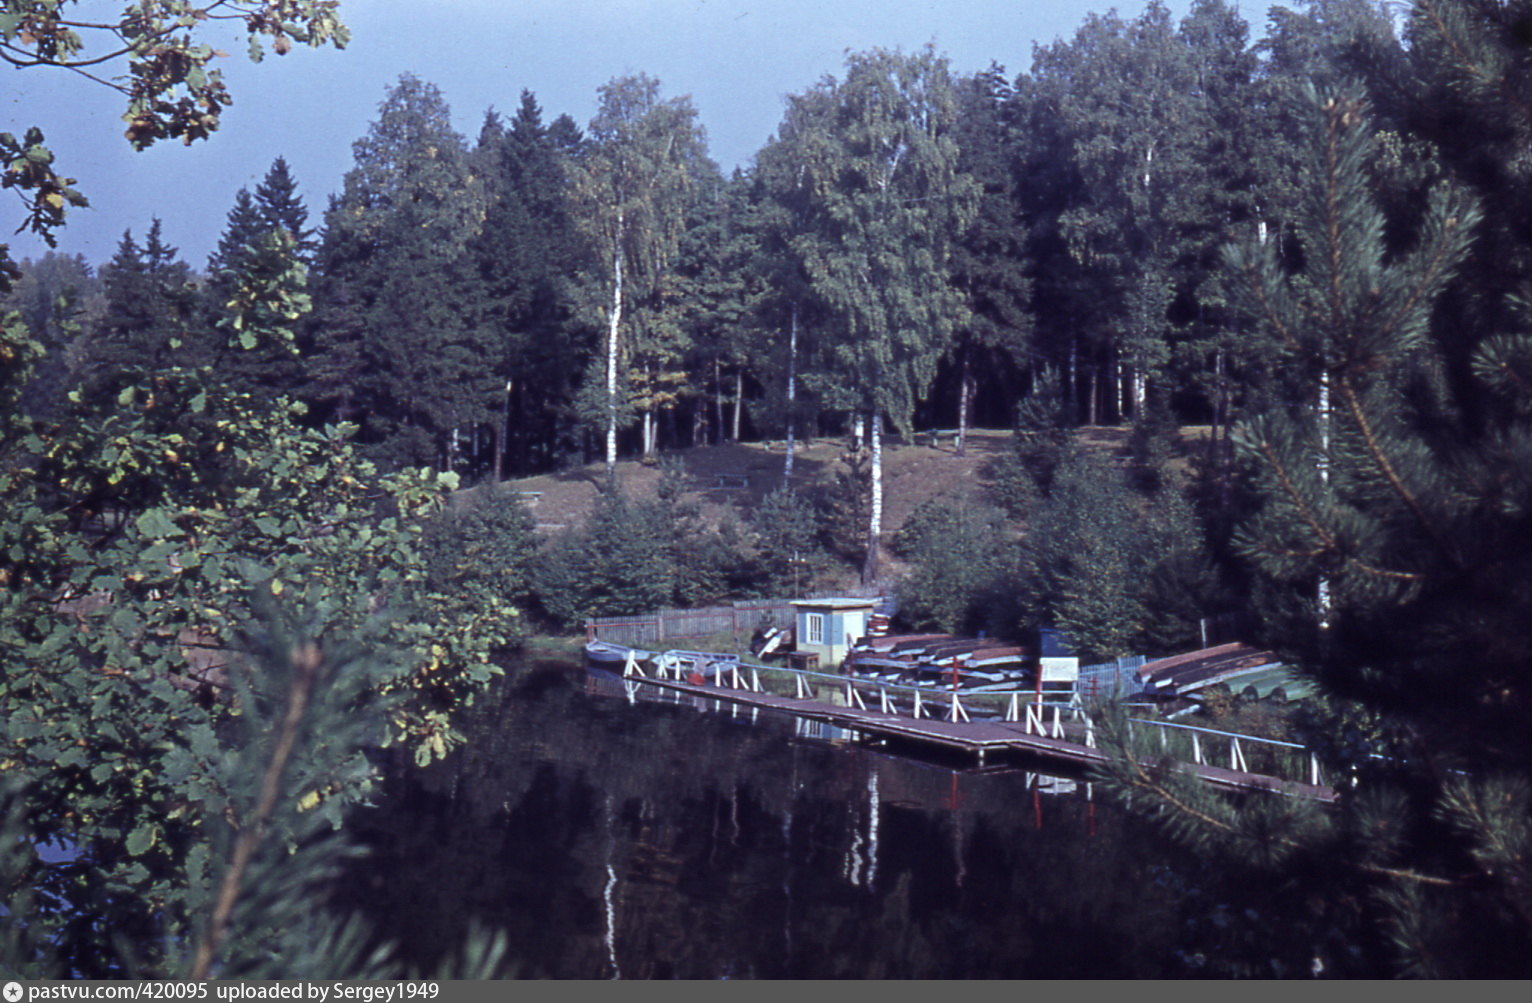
x=306, y=663
x=1390, y=473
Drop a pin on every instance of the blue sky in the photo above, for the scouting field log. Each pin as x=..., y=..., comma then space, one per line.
x=737, y=59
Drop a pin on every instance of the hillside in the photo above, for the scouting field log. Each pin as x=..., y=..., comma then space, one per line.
x=736, y=476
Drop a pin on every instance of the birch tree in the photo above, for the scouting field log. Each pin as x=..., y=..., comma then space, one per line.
x=631, y=196
x=886, y=202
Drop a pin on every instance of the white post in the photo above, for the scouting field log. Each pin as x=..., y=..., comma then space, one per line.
x=1090, y=733
x=1013, y=712
x=918, y=711
x=883, y=700
x=1058, y=729
x=1196, y=750
x=1314, y=769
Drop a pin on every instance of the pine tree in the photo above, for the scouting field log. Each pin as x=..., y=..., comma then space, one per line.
x=1394, y=521
x=150, y=307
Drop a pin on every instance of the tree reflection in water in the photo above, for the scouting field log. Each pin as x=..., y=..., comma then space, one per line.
x=657, y=841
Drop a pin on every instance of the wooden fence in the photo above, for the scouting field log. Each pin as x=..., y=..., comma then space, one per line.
x=742, y=619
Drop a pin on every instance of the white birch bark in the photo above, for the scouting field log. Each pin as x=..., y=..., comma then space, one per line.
x=965, y=404
x=792, y=397
x=1323, y=596
x=614, y=320
x=875, y=521
x=739, y=400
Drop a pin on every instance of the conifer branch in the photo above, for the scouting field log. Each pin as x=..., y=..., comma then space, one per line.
x=1141, y=779
x=1390, y=473
x=305, y=662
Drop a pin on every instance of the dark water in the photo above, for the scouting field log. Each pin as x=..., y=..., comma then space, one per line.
x=664, y=840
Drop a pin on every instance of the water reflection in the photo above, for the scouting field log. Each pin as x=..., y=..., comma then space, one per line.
x=664, y=839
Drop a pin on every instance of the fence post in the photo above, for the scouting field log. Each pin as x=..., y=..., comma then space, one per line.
x=917, y=711
x=797, y=678
x=883, y=700
x=1090, y=733
x=1196, y=750
x=755, y=679
x=1058, y=729
x=1012, y=713
x=1314, y=769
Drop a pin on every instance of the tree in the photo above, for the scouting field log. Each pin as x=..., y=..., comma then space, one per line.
x=172, y=91
x=1404, y=493
x=160, y=555
x=150, y=307
x=631, y=193
x=886, y=200
x=524, y=255
x=960, y=567
x=396, y=253
x=279, y=207
x=990, y=260
x=265, y=235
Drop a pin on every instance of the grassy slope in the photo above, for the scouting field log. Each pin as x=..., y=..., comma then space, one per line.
x=913, y=474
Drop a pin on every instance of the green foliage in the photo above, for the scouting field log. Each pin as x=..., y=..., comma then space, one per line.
x=160, y=562
x=172, y=90
x=1040, y=440
x=961, y=555
x=785, y=527
x=630, y=194
x=1117, y=571
x=635, y=557
x=402, y=333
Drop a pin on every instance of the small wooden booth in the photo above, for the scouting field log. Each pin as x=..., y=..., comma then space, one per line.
x=827, y=628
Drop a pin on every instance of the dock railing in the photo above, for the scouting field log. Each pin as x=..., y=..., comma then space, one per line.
x=1244, y=753
x=1061, y=719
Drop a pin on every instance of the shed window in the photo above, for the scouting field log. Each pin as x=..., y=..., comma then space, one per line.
x=814, y=627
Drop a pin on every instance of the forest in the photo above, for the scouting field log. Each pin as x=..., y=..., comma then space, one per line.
x=231, y=570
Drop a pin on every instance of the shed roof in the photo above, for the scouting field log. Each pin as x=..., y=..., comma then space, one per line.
x=835, y=603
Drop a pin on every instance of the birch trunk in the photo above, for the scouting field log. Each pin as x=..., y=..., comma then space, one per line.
x=792, y=396
x=1323, y=596
x=614, y=320
x=875, y=520
x=503, y=434
x=718, y=436
x=739, y=400
x=965, y=403
x=1074, y=378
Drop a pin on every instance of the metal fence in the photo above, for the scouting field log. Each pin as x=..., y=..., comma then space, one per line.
x=1111, y=680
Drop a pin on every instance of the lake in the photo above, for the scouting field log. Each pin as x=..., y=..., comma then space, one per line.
x=661, y=839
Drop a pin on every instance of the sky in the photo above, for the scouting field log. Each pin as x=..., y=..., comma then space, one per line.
x=737, y=59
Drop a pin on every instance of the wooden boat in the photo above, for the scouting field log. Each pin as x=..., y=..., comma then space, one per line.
x=606, y=655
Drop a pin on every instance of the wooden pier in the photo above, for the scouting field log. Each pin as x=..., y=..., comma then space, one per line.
x=983, y=739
